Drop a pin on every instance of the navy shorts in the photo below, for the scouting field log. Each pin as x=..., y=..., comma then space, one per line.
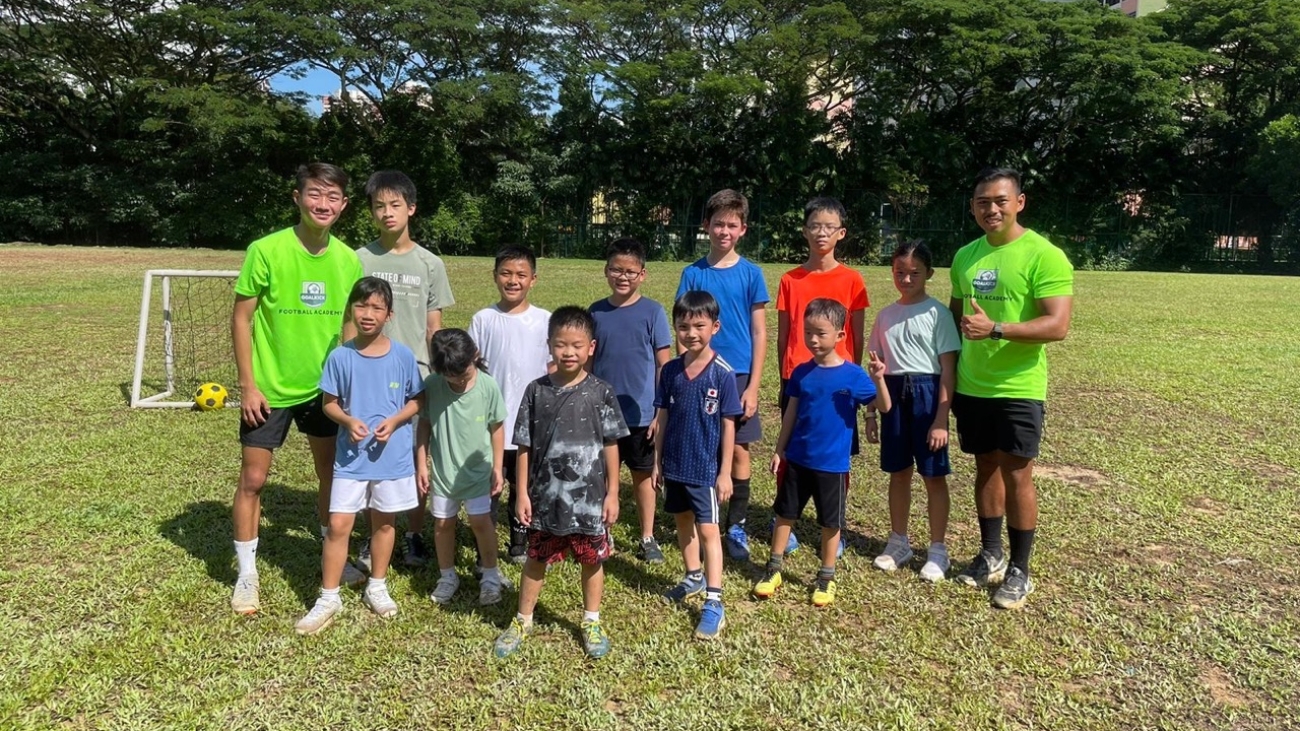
x=1011, y=425
x=680, y=497
x=636, y=451
x=905, y=428
x=783, y=400
x=799, y=484
x=748, y=430
x=270, y=434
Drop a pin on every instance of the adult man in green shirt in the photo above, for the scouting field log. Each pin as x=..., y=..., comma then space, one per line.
x=290, y=304
x=1012, y=292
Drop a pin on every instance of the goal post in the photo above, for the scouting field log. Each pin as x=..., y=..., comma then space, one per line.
x=184, y=337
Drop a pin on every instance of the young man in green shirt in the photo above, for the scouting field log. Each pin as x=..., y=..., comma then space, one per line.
x=1012, y=292
x=290, y=301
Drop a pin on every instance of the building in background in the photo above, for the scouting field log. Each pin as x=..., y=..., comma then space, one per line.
x=1136, y=8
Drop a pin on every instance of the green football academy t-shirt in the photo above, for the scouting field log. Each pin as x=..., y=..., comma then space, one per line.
x=301, y=301
x=1006, y=281
x=419, y=281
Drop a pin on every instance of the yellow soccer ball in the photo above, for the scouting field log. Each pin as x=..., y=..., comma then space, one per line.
x=210, y=397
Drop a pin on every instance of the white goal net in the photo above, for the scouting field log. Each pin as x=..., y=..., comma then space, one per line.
x=184, y=338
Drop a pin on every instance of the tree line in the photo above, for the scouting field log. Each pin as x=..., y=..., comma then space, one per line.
x=1152, y=141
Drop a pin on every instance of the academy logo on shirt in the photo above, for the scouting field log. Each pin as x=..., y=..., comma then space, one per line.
x=313, y=294
x=986, y=280
x=711, y=402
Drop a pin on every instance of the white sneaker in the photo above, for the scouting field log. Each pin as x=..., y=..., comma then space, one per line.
x=247, y=596
x=352, y=576
x=321, y=616
x=489, y=592
x=936, y=565
x=379, y=601
x=506, y=583
x=897, y=553
x=446, y=589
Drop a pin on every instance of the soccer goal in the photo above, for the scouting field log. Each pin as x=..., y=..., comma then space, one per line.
x=184, y=338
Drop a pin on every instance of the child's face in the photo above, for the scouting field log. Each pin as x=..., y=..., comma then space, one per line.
x=459, y=382
x=725, y=229
x=624, y=274
x=391, y=211
x=910, y=275
x=695, y=332
x=319, y=204
x=996, y=205
x=823, y=230
x=821, y=336
x=571, y=348
x=514, y=279
x=370, y=314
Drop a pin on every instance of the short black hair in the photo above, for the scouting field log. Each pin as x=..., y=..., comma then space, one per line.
x=626, y=246
x=826, y=309
x=323, y=172
x=570, y=316
x=369, y=286
x=391, y=181
x=452, y=351
x=694, y=304
x=827, y=204
x=988, y=175
x=915, y=248
x=727, y=201
x=515, y=252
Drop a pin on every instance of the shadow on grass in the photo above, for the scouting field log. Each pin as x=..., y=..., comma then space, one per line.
x=286, y=538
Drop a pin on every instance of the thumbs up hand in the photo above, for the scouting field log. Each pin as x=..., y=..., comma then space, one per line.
x=977, y=325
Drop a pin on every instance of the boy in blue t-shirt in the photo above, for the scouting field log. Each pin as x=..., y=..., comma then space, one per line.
x=697, y=404
x=632, y=341
x=372, y=389
x=816, y=441
x=741, y=293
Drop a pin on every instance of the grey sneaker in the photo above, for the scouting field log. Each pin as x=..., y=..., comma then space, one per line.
x=984, y=570
x=247, y=596
x=896, y=555
x=363, y=556
x=352, y=576
x=379, y=602
x=321, y=616
x=506, y=583
x=489, y=591
x=936, y=564
x=650, y=551
x=445, y=589
x=1015, y=590
x=417, y=551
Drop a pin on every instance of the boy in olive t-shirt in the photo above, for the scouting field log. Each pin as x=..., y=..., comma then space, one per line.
x=290, y=302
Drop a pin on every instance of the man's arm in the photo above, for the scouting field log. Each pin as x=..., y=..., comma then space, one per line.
x=1049, y=327
x=252, y=403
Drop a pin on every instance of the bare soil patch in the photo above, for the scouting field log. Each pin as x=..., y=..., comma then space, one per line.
x=1072, y=475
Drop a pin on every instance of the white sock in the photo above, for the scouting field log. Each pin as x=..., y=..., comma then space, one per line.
x=591, y=616
x=330, y=595
x=525, y=619
x=448, y=573
x=938, y=548
x=492, y=573
x=899, y=538
x=246, y=552
x=374, y=583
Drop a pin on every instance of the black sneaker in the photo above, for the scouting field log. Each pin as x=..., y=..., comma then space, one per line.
x=650, y=551
x=417, y=551
x=984, y=570
x=1015, y=590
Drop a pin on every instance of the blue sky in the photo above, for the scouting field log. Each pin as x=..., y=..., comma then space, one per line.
x=316, y=84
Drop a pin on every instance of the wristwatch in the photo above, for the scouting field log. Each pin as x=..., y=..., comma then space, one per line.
x=997, y=331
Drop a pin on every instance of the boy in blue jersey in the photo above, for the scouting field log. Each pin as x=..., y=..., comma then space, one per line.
x=372, y=390
x=697, y=402
x=816, y=441
x=632, y=342
x=741, y=294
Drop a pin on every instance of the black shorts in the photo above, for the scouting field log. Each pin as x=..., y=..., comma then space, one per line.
x=635, y=451
x=783, y=400
x=748, y=430
x=1011, y=425
x=308, y=415
x=509, y=466
x=827, y=490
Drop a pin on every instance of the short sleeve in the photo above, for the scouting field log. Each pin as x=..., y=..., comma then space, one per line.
x=661, y=388
x=783, y=293
x=333, y=375
x=440, y=297
x=757, y=287
x=660, y=334
x=946, y=338
x=858, y=299
x=254, y=274
x=414, y=384
x=729, y=397
x=1053, y=275
x=864, y=389
x=955, y=275
x=875, y=341
x=523, y=436
x=612, y=426
x=496, y=405
x=475, y=332
x=684, y=284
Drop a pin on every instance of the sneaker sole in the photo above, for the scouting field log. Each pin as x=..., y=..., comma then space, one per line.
x=932, y=578
x=709, y=638
x=310, y=633
x=389, y=614
x=764, y=596
x=826, y=603
x=993, y=579
x=1016, y=604
x=245, y=611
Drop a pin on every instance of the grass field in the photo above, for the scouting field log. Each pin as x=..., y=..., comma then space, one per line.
x=1167, y=569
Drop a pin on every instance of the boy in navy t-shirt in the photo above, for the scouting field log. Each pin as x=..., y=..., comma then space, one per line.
x=697, y=404
x=632, y=342
x=816, y=439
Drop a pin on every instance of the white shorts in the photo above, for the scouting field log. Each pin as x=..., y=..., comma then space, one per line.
x=386, y=496
x=446, y=507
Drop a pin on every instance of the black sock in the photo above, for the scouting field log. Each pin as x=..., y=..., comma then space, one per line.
x=775, y=562
x=991, y=536
x=738, y=506
x=1021, y=544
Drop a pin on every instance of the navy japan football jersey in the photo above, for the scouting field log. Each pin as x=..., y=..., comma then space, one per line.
x=696, y=408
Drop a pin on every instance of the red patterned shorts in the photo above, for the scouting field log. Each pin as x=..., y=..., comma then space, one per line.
x=549, y=548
